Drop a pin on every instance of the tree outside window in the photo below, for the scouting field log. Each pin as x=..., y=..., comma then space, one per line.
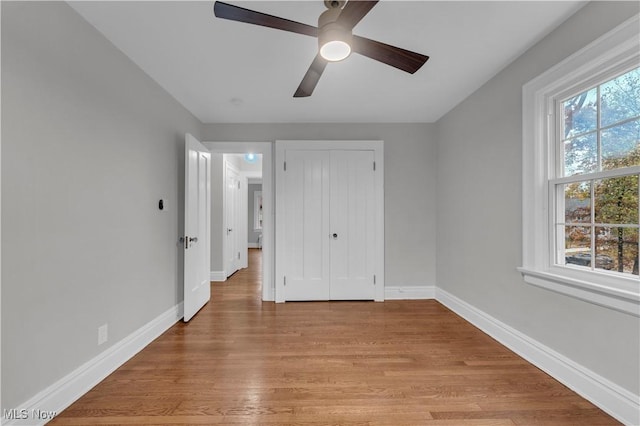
x=601, y=133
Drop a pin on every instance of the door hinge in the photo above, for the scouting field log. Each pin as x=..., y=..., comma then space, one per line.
x=238, y=184
x=285, y=166
x=284, y=280
x=374, y=166
x=374, y=280
x=238, y=255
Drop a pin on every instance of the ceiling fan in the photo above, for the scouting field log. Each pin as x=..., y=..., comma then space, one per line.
x=335, y=38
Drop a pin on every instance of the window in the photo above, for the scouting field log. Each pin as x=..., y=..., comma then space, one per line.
x=581, y=173
x=596, y=191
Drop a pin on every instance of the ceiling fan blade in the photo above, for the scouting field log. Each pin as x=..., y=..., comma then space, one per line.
x=396, y=57
x=240, y=14
x=311, y=78
x=354, y=11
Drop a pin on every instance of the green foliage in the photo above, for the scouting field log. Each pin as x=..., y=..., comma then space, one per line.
x=616, y=199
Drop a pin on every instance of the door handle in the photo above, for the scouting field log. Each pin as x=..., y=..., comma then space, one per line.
x=186, y=240
x=335, y=236
x=229, y=230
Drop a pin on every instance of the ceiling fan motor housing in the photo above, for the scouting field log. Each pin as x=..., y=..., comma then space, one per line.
x=329, y=30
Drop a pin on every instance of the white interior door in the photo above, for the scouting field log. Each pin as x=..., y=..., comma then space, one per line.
x=232, y=234
x=353, y=235
x=197, y=219
x=305, y=225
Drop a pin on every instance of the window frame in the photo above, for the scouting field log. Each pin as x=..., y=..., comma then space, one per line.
x=614, y=52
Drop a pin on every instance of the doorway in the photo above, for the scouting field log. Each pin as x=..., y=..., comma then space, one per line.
x=235, y=151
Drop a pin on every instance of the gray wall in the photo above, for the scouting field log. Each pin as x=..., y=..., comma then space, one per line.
x=479, y=213
x=252, y=236
x=89, y=145
x=409, y=183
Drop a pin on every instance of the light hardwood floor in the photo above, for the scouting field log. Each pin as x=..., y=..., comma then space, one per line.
x=244, y=362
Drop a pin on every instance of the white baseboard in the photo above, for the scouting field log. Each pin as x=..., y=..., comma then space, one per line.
x=218, y=276
x=611, y=398
x=254, y=245
x=67, y=390
x=409, y=292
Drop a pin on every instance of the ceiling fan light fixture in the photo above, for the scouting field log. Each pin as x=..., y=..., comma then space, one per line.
x=334, y=41
x=334, y=51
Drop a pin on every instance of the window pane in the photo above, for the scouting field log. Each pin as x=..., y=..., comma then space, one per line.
x=577, y=245
x=621, y=146
x=616, y=200
x=617, y=249
x=620, y=98
x=581, y=155
x=580, y=113
x=577, y=202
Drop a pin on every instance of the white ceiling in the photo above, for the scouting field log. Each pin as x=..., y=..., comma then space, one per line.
x=230, y=72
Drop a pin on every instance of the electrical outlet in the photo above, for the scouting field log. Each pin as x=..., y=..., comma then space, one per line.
x=102, y=334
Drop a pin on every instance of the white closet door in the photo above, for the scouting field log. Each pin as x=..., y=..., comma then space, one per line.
x=306, y=225
x=353, y=238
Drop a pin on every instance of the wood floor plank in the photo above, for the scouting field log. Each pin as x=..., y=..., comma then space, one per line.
x=242, y=361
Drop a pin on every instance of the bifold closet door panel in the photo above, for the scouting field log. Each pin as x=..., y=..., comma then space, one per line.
x=352, y=224
x=306, y=213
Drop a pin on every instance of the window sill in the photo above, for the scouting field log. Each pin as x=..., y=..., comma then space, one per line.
x=583, y=288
